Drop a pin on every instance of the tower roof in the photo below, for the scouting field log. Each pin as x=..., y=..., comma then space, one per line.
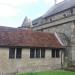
x=27, y=23
x=66, y=4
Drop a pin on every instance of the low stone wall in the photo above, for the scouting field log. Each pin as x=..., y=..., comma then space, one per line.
x=25, y=64
x=39, y=68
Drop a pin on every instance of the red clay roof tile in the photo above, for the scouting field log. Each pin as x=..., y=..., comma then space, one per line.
x=27, y=38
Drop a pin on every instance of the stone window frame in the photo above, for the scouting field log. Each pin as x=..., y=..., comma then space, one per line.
x=55, y=53
x=15, y=53
x=37, y=53
x=11, y=53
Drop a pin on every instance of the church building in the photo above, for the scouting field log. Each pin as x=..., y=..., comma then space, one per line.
x=60, y=19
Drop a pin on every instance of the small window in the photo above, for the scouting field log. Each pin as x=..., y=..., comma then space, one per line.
x=50, y=19
x=32, y=53
x=55, y=53
x=15, y=53
x=37, y=53
x=41, y=29
x=18, y=52
x=42, y=53
x=65, y=15
x=71, y=11
x=11, y=53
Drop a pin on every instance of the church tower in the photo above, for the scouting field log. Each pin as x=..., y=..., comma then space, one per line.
x=27, y=23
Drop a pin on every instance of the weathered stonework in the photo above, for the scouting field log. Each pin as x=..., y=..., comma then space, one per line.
x=62, y=24
x=25, y=64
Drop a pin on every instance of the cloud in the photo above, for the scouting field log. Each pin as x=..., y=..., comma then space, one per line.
x=6, y=11
x=18, y=2
x=11, y=11
x=11, y=7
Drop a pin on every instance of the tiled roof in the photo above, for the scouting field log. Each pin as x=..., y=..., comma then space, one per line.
x=27, y=38
x=35, y=21
x=66, y=4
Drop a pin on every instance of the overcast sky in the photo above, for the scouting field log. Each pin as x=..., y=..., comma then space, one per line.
x=13, y=12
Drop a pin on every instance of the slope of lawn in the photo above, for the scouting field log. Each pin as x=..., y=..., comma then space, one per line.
x=49, y=73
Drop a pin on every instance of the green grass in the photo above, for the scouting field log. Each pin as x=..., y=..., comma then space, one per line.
x=49, y=73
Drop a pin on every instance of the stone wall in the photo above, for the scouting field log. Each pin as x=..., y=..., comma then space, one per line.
x=67, y=29
x=62, y=22
x=65, y=26
x=73, y=44
x=25, y=64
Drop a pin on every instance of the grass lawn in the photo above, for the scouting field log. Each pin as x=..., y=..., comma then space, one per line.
x=49, y=73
